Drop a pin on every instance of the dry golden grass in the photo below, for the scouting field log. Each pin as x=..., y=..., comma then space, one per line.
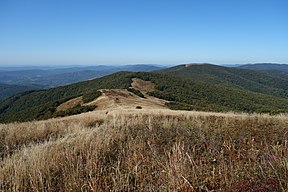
x=146, y=150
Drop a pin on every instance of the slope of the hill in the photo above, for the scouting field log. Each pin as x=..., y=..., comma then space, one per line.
x=182, y=93
x=266, y=83
x=7, y=90
x=42, y=104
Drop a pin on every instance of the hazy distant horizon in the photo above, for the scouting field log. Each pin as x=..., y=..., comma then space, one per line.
x=151, y=64
x=81, y=65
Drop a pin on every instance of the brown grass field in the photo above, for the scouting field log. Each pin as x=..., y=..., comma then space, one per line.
x=146, y=150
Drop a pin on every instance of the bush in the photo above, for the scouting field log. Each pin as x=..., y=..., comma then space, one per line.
x=136, y=92
x=88, y=97
x=179, y=106
x=75, y=110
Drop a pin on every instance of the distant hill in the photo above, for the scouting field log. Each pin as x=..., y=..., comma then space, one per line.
x=15, y=80
x=10, y=90
x=58, y=76
x=266, y=67
x=238, y=78
x=179, y=91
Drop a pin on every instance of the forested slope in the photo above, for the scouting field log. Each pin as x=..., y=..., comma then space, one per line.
x=10, y=90
x=266, y=83
x=181, y=92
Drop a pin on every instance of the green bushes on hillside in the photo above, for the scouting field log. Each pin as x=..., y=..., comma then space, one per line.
x=179, y=106
x=75, y=110
x=90, y=96
x=136, y=92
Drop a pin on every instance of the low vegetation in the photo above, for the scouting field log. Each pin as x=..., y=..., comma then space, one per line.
x=136, y=92
x=90, y=96
x=141, y=150
x=75, y=110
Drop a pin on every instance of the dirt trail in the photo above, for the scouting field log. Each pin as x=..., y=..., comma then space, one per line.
x=121, y=98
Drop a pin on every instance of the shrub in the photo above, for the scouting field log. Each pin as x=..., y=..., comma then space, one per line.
x=75, y=110
x=179, y=106
x=88, y=97
x=136, y=92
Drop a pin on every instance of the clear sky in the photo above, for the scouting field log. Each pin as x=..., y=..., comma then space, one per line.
x=44, y=32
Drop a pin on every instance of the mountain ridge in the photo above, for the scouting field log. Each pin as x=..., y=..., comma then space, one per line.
x=266, y=83
x=266, y=67
x=180, y=92
x=21, y=79
x=59, y=76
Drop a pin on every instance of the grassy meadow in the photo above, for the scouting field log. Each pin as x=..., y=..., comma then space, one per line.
x=146, y=150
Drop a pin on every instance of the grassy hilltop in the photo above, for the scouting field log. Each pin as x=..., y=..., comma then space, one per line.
x=146, y=150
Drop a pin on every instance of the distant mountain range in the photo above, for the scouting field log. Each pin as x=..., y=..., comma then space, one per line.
x=266, y=67
x=21, y=79
x=203, y=87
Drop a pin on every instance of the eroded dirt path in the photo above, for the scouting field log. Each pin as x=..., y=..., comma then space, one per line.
x=122, y=99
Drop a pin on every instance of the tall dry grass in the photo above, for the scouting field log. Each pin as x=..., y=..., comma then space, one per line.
x=148, y=151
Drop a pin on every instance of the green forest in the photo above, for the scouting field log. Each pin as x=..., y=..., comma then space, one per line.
x=217, y=89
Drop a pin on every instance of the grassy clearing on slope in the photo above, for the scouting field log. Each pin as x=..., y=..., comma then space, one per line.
x=149, y=151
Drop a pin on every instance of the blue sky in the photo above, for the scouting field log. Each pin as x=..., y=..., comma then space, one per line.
x=48, y=32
